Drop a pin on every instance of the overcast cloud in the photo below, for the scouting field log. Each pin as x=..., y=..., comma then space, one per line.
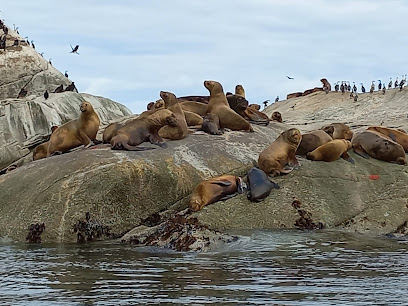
x=130, y=50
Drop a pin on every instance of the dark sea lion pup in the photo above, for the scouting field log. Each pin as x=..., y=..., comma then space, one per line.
x=215, y=189
x=276, y=116
x=143, y=129
x=81, y=131
x=211, y=124
x=259, y=185
x=280, y=153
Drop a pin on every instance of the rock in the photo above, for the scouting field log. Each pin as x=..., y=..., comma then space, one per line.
x=294, y=95
x=309, y=91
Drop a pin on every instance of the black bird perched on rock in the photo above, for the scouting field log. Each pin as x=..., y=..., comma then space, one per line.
x=70, y=87
x=390, y=84
x=75, y=50
x=342, y=88
x=66, y=73
x=59, y=89
x=46, y=95
x=290, y=78
x=372, y=87
x=362, y=88
x=354, y=87
x=336, y=87
x=379, y=85
x=22, y=93
x=396, y=83
x=32, y=44
x=383, y=90
x=277, y=99
x=42, y=54
x=348, y=86
x=265, y=103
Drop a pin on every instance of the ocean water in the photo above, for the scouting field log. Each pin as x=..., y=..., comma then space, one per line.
x=262, y=268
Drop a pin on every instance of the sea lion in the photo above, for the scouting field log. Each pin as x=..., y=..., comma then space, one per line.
x=110, y=131
x=326, y=84
x=276, y=116
x=40, y=151
x=338, y=131
x=312, y=140
x=143, y=129
x=256, y=117
x=394, y=134
x=259, y=185
x=374, y=144
x=218, y=105
x=237, y=103
x=239, y=90
x=81, y=131
x=159, y=104
x=211, y=124
x=150, y=106
x=280, y=152
x=192, y=119
x=215, y=189
x=255, y=106
x=194, y=107
x=331, y=151
x=173, y=132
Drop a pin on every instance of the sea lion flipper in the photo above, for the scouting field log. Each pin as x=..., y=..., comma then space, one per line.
x=358, y=150
x=392, y=136
x=347, y=157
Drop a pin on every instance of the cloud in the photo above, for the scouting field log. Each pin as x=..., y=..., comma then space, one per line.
x=130, y=50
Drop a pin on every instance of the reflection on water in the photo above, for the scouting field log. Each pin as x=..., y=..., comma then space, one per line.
x=265, y=267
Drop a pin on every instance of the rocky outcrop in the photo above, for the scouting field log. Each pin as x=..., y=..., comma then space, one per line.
x=26, y=122
x=309, y=91
x=294, y=95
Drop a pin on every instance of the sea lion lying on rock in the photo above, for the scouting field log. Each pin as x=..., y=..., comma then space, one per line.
x=338, y=131
x=331, y=151
x=215, y=189
x=40, y=151
x=218, y=105
x=396, y=135
x=280, y=153
x=81, y=131
x=259, y=185
x=374, y=144
x=276, y=116
x=173, y=132
x=110, y=131
x=312, y=140
x=143, y=129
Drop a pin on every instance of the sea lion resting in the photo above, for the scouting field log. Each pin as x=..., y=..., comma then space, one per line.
x=332, y=151
x=194, y=107
x=374, y=144
x=180, y=130
x=312, y=140
x=215, y=189
x=338, y=131
x=396, y=135
x=280, y=153
x=276, y=116
x=143, y=129
x=259, y=185
x=40, y=151
x=218, y=105
x=81, y=131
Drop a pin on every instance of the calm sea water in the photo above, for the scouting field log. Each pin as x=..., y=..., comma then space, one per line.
x=265, y=268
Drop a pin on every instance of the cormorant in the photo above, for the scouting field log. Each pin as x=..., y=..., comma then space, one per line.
x=66, y=73
x=22, y=93
x=390, y=84
x=379, y=85
x=396, y=83
x=265, y=103
x=59, y=89
x=75, y=50
x=290, y=78
x=348, y=86
x=277, y=99
x=362, y=88
x=50, y=61
x=354, y=87
x=342, y=87
x=32, y=44
x=46, y=95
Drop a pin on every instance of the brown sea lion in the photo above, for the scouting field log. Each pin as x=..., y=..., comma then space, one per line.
x=200, y=99
x=374, y=144
x=338, y=131
x=331, y=151
x=256, y=117
x=237, y=103
x=218, y=105
x=211, y=124
x=159, y=104
x=150, y=106
x=143, y=129
x=40, y=151
x=280, y=152
x=276, y=116
x=192, y=119
x=239, y=90
x=215, y=189
x=255, y=106
x=312, y=140
x=173, y=132
x=194, y=107
x=395, y=135
x=81, y=131
x=110, y=131
x=326, y=84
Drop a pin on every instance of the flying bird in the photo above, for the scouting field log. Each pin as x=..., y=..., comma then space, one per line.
x=75, y=50
x=290, y=78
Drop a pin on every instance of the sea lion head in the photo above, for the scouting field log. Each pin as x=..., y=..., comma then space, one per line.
x=239, y=90
x=85, y=106
x=150, y=106
x=329, y=129
x=277, y=116
x=168, y=98
x=401, y=160
x=213, y=87
x=171, y=120
x=159, y=104
x=293, y=135
x=348, y=143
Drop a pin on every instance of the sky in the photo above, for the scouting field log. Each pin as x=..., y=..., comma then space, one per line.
x=130, y=50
